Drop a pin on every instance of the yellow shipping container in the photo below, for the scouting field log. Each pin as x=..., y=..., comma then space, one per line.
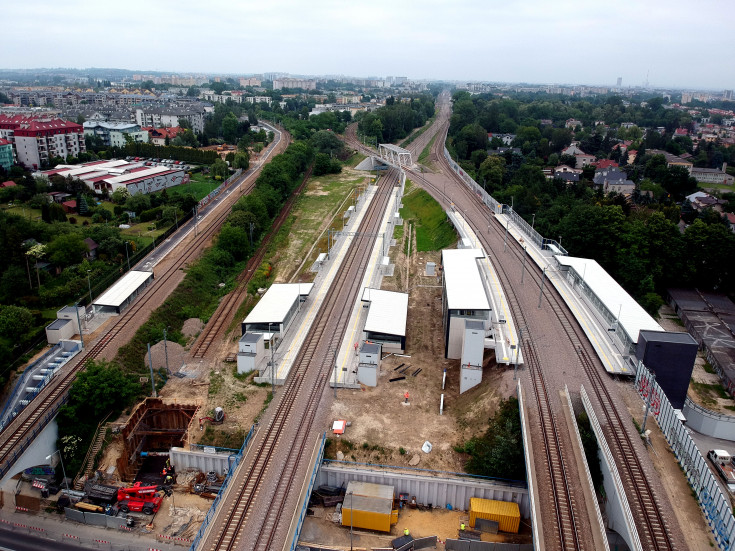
x=369, y=506
x=505, y=513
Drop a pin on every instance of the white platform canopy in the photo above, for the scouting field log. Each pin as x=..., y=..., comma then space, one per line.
x=632, y=317
x=122, y=290
x=387, y=313
x=462, y=280
x=277, y=301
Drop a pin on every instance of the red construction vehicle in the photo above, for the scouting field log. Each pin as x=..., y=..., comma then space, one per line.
x=140, y=498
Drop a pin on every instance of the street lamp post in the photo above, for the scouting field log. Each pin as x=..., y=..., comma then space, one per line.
x=63, y=471
x=127, y=254
x=165, y=349
x=273, y=364
x=79, y=323
x=525, y=254
x=533, y=220
x=352, y=495
x=541, y=294
x=90, y=286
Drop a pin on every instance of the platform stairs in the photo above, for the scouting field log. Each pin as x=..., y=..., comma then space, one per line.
x=88, y=464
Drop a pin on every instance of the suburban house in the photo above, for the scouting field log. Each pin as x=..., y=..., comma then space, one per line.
x=700, y=201
x=507, y=139
x=582, y=159
x=613, y=180
x=158, y=136
x=672, y=160
x=572, y=123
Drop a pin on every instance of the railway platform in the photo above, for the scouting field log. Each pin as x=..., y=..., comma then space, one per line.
x=287, y=350
x=602, y=340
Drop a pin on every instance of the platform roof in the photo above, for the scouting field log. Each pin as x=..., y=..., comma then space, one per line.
x=633, y=318
x=277, y=301
x=121, y=291
x=462, y=280
x=387, y=313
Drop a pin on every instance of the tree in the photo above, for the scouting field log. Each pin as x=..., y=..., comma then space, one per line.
x=120, y=195
x=234, y=240
x=242, y=160
x=15, y=321
x=324, y=141
x=229, y=128
x=83, y=206
x=66, y=249
x=492, y=171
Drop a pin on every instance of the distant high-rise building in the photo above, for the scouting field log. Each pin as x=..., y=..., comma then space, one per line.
x=620, y=81
x=727, y=94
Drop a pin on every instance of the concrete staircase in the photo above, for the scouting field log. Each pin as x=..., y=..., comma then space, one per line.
x=88, y=465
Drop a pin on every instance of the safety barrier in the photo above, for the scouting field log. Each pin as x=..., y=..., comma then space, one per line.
x=507, y=210
x=213, y=508
x=716, y=507
x=319, y=453
x=21, y=447
x=588, y=475
x=635, y=541
x=174, y=539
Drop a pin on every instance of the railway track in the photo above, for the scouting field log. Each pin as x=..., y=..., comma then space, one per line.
x=17, y=435
x=291, y=427
x=652, y=527
x=227, y=308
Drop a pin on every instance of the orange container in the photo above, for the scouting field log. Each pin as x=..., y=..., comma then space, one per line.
x=505, y=513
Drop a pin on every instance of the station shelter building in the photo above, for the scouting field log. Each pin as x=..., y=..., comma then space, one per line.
x=464, y=298
x=122, y=293
x=276, y=310
x=639, y=338
x=386, y=319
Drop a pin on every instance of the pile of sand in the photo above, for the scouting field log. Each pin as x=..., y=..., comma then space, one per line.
x=192, y=327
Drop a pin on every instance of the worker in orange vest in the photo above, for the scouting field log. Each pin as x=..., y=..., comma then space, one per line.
x=406, y=396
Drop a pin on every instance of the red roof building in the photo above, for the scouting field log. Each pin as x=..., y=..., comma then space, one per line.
x=605, y=163
x=37, y=138
x=70, y=207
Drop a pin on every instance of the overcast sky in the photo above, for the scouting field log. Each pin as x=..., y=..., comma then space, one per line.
x=676, y=43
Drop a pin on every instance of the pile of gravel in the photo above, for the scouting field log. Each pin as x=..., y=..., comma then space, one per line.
x=192, y=327
x=176, y=355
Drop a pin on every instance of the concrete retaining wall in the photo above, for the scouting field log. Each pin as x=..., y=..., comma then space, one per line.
x=469, y=545
x=437, y=490
x=200, y=460
x=709, y=422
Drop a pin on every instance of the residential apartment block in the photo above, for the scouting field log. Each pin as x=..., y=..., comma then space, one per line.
x=114, y=134
x=36, y=139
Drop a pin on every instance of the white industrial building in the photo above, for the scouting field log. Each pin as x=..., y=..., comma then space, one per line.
x=135, y=176
x=66, y=324
x=386, y=319
x=120, y=295
x=251, y=353
x=463, y=296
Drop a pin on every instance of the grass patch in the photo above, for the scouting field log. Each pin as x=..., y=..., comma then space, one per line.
x=433, y=229
x=200, y=185
x=710, y=392
x=267, y=401
x=427, y=150
x=216, y=380
x=708, y=368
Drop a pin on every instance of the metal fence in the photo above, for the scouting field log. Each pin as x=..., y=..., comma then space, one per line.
x=310, y=486
x=507, y=210
x=716, y=506
x=215, y=192
x=216, y=502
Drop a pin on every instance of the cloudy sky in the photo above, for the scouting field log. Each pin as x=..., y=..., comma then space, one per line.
x=673, y=43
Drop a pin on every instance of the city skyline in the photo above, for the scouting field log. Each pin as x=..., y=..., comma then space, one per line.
x=566, y=42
